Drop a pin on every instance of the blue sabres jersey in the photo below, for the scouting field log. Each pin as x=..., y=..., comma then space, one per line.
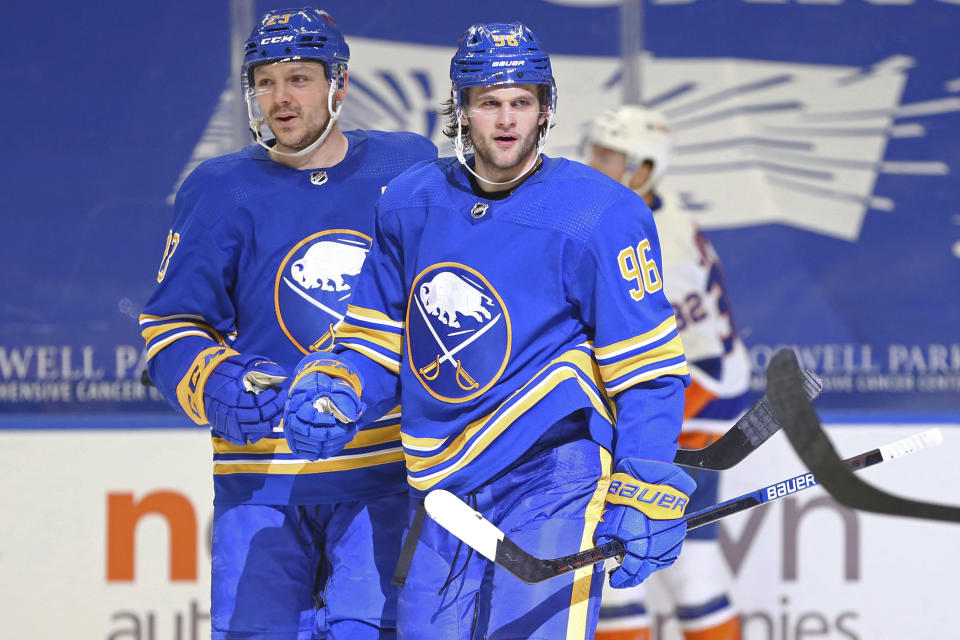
x=498, y=318
x=263, y=259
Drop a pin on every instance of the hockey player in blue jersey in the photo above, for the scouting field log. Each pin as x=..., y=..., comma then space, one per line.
x=262, y=258
x=516, y=303
x=633, y=145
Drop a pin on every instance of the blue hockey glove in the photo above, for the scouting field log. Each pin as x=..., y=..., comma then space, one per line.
x=241, y=398
x=644, y=510
x=320, y=417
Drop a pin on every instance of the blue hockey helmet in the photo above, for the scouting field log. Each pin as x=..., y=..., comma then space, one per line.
x=285, y=35
x=501, y=53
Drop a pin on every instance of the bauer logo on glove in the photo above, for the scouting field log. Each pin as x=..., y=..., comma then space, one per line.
x=644, y=511
x=658, y=501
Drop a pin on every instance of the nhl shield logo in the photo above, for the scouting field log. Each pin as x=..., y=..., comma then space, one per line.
x=458, y=332
x=479, y=209
x=318, y=178
x=314, y=283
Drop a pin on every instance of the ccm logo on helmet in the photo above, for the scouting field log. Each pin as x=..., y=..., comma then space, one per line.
x=508, y=63
x=277, y=40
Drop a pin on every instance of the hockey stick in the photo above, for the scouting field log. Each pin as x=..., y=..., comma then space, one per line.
x=471, y=527
x=806, y=435
x=750, y=431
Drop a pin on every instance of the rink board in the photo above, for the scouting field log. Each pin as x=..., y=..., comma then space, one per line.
x=78, y=562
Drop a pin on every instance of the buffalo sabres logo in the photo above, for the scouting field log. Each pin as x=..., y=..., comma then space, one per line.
x=458, y=332
x=314, y=283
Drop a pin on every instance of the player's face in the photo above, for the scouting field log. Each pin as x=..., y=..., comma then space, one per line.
x=293, y=100
x=504, y=125
x=611, y=163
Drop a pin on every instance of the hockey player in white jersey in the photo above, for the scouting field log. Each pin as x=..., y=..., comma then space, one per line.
x=264, y=252
x=516, y=302
x=632, y=144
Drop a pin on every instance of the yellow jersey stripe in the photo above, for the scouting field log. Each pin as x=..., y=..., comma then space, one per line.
x=372, y=315
x=619, y=348
x=498, y=426
x=583, y=577
x=365, y=438
x=390, y=341
x=391, y=365
x=666, y=351
x=576, y=358
x=160, y=345
x=151, y=333
x=678, y=369
x=145, y=317
x=296, y=467
x=422, y=444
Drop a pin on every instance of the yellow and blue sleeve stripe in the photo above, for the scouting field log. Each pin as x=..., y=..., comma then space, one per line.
x=373, y=334
x=159, y=332
x=652, y=354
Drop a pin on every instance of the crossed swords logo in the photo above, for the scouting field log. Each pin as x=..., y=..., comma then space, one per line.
x=325, y=342
x=430, y=372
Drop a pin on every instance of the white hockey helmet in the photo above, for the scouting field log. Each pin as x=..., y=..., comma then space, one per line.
x=639, y=133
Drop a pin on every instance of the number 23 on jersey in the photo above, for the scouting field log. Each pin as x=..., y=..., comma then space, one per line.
x=638, y=267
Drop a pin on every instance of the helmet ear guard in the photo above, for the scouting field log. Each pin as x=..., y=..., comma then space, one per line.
x=641, y=134
x=289, y=35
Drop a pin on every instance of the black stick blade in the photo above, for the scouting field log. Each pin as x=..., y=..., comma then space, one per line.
x=802, y=426
x=743, y=438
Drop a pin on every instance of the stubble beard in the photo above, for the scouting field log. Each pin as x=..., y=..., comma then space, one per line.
x=294, y=142
x=487, y=152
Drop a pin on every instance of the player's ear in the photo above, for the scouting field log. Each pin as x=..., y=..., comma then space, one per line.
x=342, y=89
x=641, y=174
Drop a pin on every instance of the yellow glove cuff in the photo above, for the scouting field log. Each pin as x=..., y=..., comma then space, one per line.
x=191, y=385
x=333, y=369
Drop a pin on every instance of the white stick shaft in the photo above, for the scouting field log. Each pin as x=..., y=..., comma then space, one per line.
x=454, y=515
x=928, y=438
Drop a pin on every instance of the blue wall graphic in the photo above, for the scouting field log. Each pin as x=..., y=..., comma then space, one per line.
x=819, y=143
